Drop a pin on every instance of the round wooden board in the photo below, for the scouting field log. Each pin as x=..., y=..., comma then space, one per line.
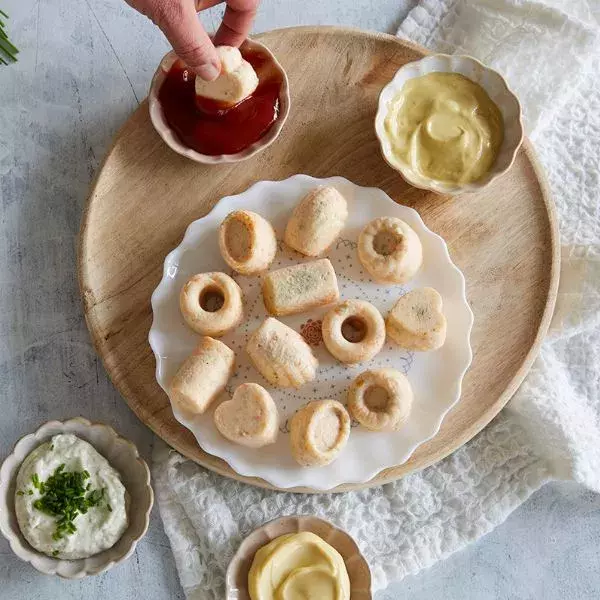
x=504, y=239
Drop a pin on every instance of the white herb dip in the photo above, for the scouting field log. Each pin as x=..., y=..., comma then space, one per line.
x=99, y=528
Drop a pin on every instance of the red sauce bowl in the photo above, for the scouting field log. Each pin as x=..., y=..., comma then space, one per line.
x=173, y=139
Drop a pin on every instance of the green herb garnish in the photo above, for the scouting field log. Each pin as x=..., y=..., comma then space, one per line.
x=7, y=50
x=20, y=493
x=65, y=495
x=30, y=492
x=109, y=507
x=55, y=552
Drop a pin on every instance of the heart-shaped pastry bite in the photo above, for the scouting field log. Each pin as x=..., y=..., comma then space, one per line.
x=417, y=322
x=236, y=81
x=250, y=418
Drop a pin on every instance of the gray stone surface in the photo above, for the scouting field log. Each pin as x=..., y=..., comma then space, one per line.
x=83, y=67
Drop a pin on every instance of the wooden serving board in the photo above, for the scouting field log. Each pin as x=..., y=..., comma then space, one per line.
x=504, y=239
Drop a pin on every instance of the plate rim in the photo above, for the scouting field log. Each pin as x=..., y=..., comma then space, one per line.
x=393, y=473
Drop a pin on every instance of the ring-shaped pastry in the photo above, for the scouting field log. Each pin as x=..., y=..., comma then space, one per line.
x=390, y=250
x=247, y=242
x=211, y=303
x=353, y=331
x=318, y=432
x=381, y=399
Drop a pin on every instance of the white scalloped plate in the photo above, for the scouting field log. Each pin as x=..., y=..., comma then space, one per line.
x=436, y=377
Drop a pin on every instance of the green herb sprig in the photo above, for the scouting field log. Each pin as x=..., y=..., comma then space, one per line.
x=8, y=51
x=66, y=495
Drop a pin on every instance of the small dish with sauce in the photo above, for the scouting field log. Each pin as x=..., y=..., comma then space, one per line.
x=75, y=498
x=448, y=124
x=207, y=132
x=303, y=557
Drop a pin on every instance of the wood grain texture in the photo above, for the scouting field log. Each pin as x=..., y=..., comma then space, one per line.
x=504, y=238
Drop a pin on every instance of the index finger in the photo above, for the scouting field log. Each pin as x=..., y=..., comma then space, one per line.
x=237, y=22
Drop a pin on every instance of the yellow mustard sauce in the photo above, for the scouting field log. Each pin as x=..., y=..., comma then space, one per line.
x=445, y=127
x=298, y=566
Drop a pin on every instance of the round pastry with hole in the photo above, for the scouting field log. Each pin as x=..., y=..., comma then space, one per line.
x=381, y=399
x=353, y=331
x=390, y=250
x=250, y=418
x=318, y=432
x=211, y=303
x=247, y=242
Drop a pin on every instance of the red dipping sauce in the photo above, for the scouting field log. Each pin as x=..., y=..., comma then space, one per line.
x=206, y=125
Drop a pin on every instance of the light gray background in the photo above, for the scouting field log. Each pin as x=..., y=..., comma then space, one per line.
x=83, y=67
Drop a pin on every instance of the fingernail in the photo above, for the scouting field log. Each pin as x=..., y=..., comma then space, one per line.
x=208, y=71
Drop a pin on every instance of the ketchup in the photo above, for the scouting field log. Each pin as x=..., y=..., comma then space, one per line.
x=208, y=126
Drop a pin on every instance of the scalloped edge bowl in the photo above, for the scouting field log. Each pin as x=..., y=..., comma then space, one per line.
x=135, y=475
x=236, y=579
x=496, y=87
x=172, y=140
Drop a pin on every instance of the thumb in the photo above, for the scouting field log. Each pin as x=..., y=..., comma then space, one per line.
x=180, y=24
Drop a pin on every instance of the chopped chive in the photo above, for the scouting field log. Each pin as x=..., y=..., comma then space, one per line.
x=35, y=480
x=52, y=448
x=20, y=493
x=30, y=492
x=55, y=553
x=109, y=507
x=65, y=496
x=3, y=14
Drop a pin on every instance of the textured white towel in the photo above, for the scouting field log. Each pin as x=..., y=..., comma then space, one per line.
x=551, y=428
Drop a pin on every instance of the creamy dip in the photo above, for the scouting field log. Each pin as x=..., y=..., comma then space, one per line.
x=445, y=127
x=298, y=566
x=96, y=530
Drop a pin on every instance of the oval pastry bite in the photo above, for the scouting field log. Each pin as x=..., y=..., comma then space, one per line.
x=353, y=331
x=202, y=376
x=390, y=250
x=299, y=288
x=417, y=322
x=211, y=303
x=250, y=418
x=381, y=399
x=247, y=242
x=316, y=221
x=281, y=355
x=236, y=81
x=318, y=432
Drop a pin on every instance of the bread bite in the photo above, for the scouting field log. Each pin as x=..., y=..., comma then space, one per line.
x=390, y=250
x=236, y=81
x=353, y=331
x=281, y=355
x=202, y=376
x=381, y=399
x=318, y=432
x=250, y=418
x=300, y=287
x=211, y=303
x=316, y=221
x=417, y=321
x=247, y=242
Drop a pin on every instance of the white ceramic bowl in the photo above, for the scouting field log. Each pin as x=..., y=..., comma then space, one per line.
x=135, y=475
x=496, y=87
x=172, y=140
x=236, y=580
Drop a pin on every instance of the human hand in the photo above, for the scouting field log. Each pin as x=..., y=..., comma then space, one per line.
x=179, y=22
